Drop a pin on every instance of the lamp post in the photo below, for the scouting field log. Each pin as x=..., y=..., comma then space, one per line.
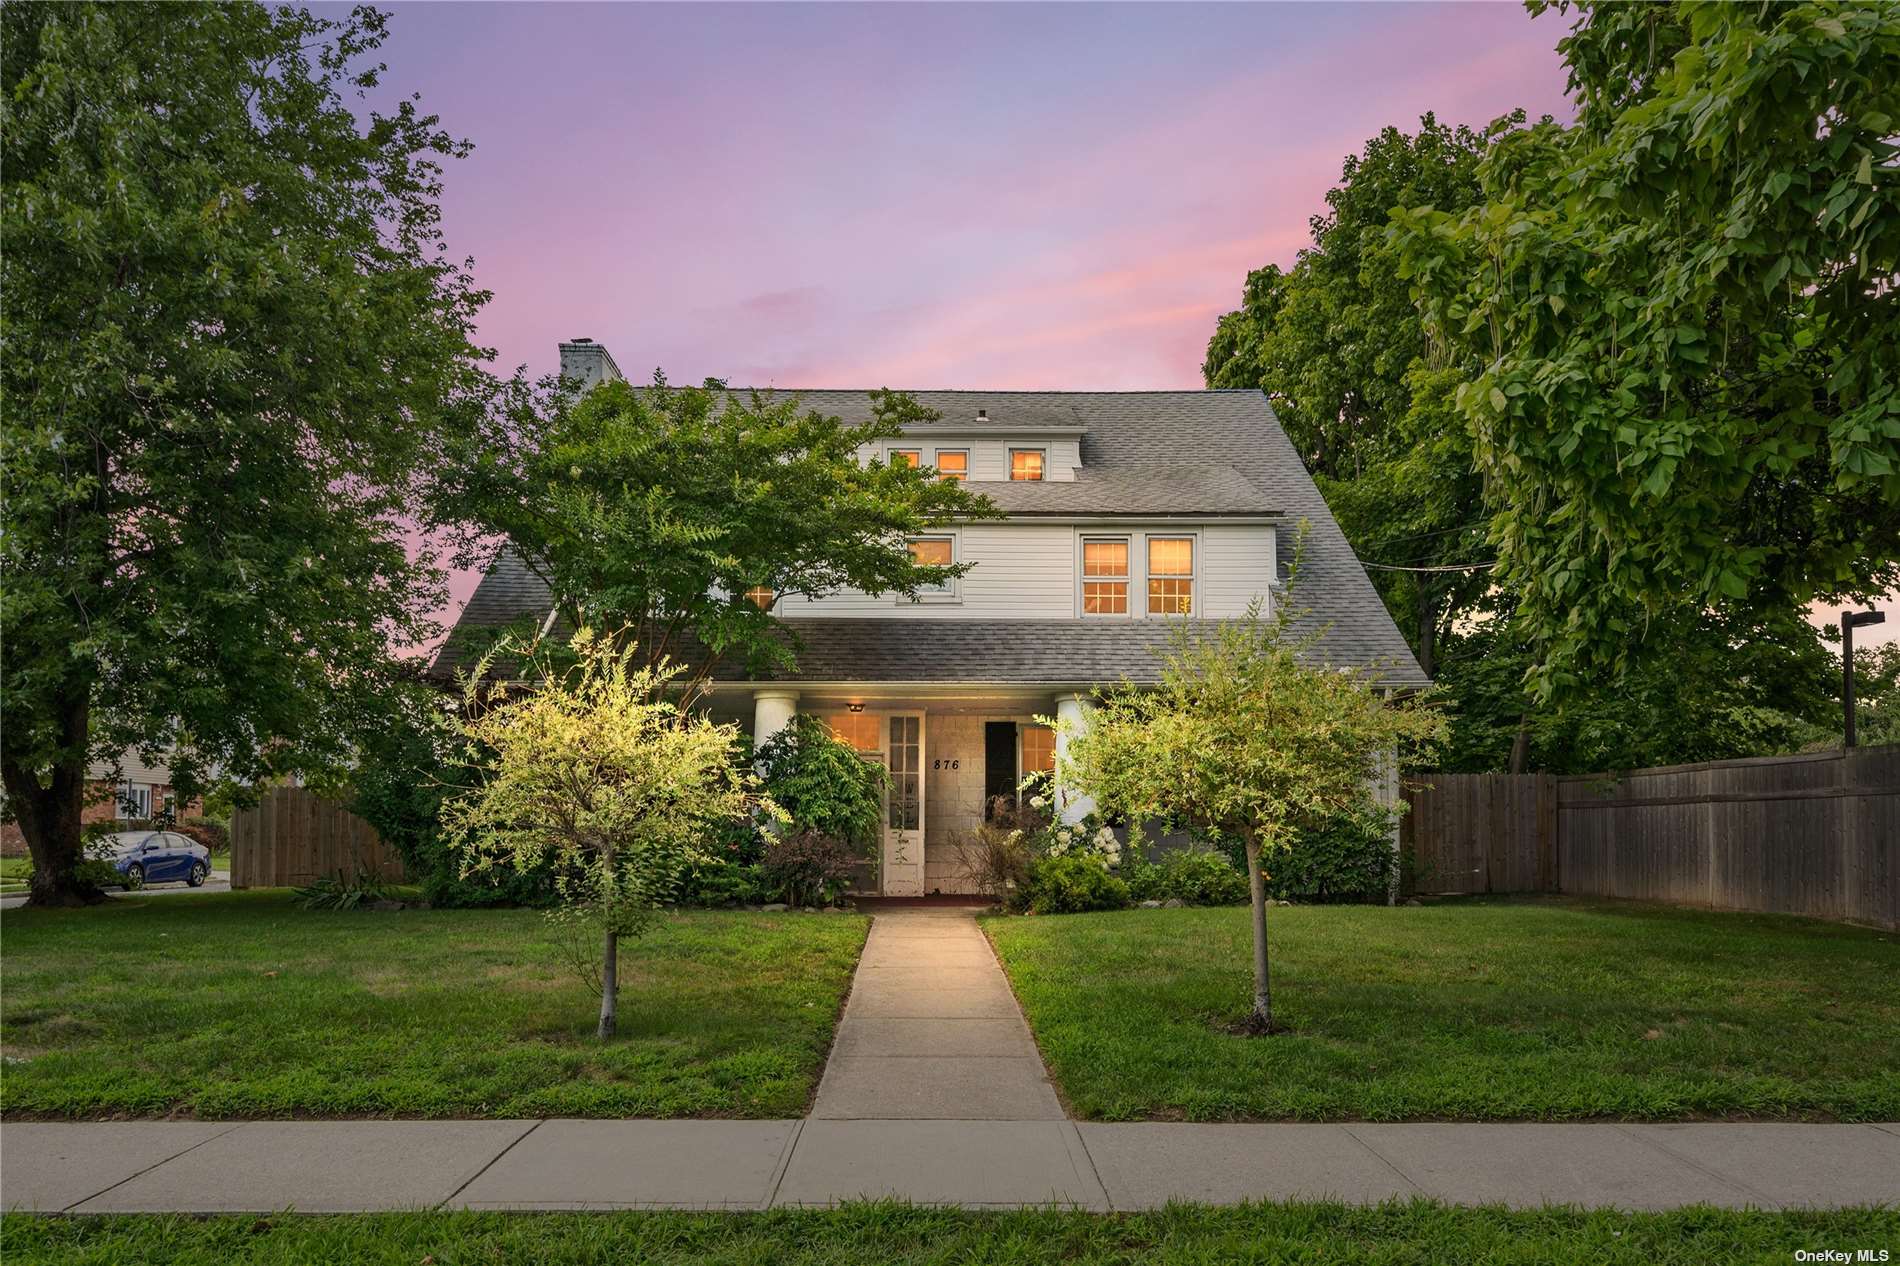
x=1851, y=620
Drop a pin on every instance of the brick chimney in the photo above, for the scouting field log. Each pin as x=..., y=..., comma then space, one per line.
x=588, y=363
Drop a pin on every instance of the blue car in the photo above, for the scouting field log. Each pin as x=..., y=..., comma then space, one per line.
x=157, y=857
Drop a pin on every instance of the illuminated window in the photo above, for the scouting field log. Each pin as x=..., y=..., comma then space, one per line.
x=859, y=729
x=934, y=551
x=762, y=596
x=1039, y=749
x=907, y=457
x=1170, y=575
x=953, y=465
x=1105, y=577
x=1025, y=464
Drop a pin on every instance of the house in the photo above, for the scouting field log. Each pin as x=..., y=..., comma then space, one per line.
x=1126, y=510
x=129, y=790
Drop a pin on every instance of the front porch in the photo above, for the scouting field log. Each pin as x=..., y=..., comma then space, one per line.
x=949, y=750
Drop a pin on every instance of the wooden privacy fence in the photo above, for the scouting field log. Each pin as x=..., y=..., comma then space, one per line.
x=1817, y=834
x=294, y=837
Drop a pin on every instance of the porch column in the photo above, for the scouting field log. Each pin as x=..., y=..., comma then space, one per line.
x=1072, y=718
x=772, y=711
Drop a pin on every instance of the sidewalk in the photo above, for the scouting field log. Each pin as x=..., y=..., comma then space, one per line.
x=934, y=1093
x=361, y=1166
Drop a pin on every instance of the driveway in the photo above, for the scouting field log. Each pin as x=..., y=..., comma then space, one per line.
x=220, y=881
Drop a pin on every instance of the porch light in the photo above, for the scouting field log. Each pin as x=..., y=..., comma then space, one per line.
x=854, y=707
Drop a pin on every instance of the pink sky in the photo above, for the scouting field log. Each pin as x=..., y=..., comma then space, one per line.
x=919, y=196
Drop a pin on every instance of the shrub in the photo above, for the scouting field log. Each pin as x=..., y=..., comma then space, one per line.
x=1072, y=883
x=999, y=852
x=822, y=783
x=210, y=832
x=1200, y=877
x=808, y=868
x=1346, y=858
x=717, y=881
x=337, y=892
x=94, y=870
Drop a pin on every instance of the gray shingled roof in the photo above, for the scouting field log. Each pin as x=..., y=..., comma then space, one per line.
x=1148, y=490
x=1136, y=441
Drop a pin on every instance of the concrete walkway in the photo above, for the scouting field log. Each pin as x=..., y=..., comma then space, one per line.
x=352, y=1166
x=934, y=1093
x=931, y=1031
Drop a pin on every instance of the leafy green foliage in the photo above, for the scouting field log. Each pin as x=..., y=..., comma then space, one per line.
x=1877, y=694
x=822, y=783
x=234, y=352
x=1345, y=857
x=718, y=881
x=341, y=892
x=1198, y=876
x=1071, y=883
x=1339, y=347
x=593, y=772
x=656, y=509
x=1682, y=316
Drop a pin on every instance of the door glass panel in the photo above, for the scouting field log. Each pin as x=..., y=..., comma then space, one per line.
x=906, y=773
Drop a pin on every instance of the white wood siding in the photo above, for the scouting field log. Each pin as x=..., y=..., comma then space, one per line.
x=1027, y=571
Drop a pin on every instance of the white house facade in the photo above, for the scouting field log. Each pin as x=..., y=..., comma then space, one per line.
x=1126, y=512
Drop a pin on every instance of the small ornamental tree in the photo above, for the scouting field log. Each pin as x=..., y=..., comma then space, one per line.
x=593, y=771
x=822, y=782
x=1248, y=735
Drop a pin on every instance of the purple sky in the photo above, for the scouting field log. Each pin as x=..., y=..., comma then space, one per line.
x=918, y=195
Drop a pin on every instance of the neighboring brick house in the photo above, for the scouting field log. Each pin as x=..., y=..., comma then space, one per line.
x=141, y=791
x=1126, y=511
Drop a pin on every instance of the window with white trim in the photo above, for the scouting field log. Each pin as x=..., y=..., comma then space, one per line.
x=1026, y=464
x=1170, y=575
x=953, y=464
x=1105, y=575
x=907, y=457
x=135, y=802
x=762, y=596
x=935, y=551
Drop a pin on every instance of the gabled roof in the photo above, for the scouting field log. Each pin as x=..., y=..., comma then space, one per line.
x=1143, y=452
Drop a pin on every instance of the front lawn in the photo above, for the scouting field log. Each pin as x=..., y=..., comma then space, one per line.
x=1471, y=1010
x=242, y=1005
x=897, y=1235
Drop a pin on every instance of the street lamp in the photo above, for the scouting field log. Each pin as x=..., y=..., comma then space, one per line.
x=1851, y=620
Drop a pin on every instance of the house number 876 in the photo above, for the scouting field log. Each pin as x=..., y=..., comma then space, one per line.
x=946, y=764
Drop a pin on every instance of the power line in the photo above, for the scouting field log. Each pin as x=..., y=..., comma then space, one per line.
x=1450, y=567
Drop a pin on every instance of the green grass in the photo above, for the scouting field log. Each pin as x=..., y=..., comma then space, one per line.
x=240, y=1005
x=899, y=1235
x=1473, y=1010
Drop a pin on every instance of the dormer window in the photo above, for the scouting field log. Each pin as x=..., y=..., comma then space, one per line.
x=953, y=464
x=912, y=457
x=1026, y=464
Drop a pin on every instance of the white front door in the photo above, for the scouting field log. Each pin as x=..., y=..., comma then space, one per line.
x=903, y=859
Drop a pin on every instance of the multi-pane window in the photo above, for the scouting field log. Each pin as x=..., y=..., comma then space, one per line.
x=762, y=596
x=1039, y=749
x=1105, y=577
x=1170, y=575
x=907, y=457
x=953, y=465
x=934, y=551
x=1025, y=464
x=135, y=802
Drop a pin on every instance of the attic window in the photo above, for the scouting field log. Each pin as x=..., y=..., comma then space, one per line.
x=1025, y=465
x=953, y=464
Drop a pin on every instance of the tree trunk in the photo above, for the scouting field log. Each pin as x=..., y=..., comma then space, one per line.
x=49, y=816
x=609, y=986
x=1521, y=745
x=1261, y=1019
x=1427, y=612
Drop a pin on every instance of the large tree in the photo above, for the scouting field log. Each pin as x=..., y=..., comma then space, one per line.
x=1338, y=345
x=1682, y=313
x=232, y=345
x=682, y=516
